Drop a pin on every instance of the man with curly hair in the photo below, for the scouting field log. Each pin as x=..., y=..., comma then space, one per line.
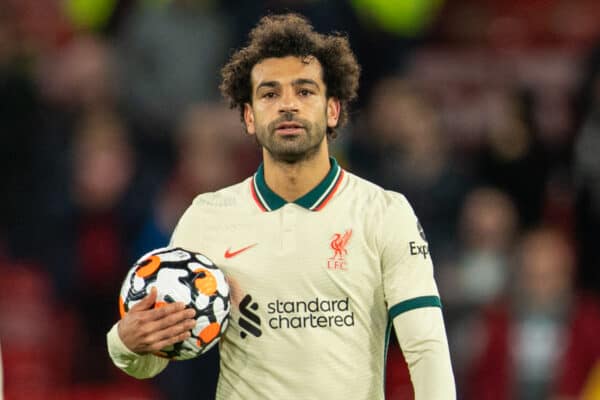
x=321, y=263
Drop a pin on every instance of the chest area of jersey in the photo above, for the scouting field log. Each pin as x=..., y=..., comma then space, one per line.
x=292, y=249
x=291, y=241
x=295, y=270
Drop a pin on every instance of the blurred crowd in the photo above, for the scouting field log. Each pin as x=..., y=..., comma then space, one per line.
x=484, y=113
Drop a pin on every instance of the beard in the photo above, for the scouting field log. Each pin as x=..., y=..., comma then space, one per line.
x=291, y=148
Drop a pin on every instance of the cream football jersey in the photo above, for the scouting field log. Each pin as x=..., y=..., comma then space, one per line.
x=315, y=284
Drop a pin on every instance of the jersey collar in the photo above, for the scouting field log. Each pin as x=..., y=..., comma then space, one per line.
x=315, y=200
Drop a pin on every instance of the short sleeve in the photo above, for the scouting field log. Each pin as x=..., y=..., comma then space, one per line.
x=407, y=269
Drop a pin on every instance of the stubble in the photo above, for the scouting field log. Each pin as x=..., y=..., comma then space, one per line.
x=291, y=149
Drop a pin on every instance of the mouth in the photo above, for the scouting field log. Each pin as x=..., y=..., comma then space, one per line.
x=289, y=128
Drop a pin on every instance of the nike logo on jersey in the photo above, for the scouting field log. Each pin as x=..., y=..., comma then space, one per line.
x=229, y=253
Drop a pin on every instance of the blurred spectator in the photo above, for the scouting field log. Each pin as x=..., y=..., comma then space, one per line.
x=103, y=168
x=76, y=80
x=80, y=76
x=170, y=56
x=400, y=145
x=521, y=343
x=87, y=244
x=487, y=230
x=512, y=157
x=479, y=270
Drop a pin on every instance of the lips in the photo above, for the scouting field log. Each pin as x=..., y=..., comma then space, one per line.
x=289, y=128
x=289, y=125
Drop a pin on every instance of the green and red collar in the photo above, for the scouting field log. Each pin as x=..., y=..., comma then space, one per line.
x=315, y=200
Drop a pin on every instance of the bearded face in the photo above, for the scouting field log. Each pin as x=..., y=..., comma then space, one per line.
x=290, y=112
x=290, y=138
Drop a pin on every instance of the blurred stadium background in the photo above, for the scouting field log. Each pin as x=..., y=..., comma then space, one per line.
x=485, y=113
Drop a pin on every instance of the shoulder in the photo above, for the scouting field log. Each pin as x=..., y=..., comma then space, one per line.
x=387, y=215
x=210, y=210
x=374, y=196
x=228, y=197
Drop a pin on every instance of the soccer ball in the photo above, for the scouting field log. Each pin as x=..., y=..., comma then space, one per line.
x=181, y=275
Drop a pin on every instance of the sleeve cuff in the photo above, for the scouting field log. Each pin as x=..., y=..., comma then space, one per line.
x=116, y=347
x=140, y=366
x=411, y=304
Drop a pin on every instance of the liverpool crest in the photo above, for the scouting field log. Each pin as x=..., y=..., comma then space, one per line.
x=338, y=245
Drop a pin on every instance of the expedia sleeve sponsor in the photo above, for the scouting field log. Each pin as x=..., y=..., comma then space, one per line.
x=317, y=313
x=406, y=265
x=416, y=249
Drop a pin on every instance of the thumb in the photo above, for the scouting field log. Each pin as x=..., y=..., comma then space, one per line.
x=147, y=302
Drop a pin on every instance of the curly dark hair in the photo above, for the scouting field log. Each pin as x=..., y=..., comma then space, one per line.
x=293, y=35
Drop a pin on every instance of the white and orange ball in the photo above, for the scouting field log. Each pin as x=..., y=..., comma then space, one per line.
x=188, y=277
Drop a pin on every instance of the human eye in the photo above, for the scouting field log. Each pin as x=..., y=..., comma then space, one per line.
x=305, y=92
x=268, y=95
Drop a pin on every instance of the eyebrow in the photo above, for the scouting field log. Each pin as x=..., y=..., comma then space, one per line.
x=305, y=81
x=296, y=82
x=269, y=84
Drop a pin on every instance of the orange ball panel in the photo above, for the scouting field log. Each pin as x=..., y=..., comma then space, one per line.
x=206, y=284
x=150, y=265
x=209, y=333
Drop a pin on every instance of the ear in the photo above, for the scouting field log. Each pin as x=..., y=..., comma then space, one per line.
x=249, y=119
x=333, y=112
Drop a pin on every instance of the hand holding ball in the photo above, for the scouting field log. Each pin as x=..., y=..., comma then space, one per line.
x=179, y=276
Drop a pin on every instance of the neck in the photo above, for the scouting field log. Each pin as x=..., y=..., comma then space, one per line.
x=293, y=180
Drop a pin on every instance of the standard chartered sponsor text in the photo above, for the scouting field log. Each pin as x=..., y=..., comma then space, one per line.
x=315, y=313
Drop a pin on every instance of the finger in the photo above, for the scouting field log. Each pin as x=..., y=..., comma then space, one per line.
x=169, y=341
x=171, y=332
x=168, y=310
x=171, y=319
x=147, y=302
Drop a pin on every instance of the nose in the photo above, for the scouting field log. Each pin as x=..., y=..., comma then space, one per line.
x=288, y=102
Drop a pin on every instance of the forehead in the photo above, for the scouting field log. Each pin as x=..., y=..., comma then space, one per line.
x=286, y=69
